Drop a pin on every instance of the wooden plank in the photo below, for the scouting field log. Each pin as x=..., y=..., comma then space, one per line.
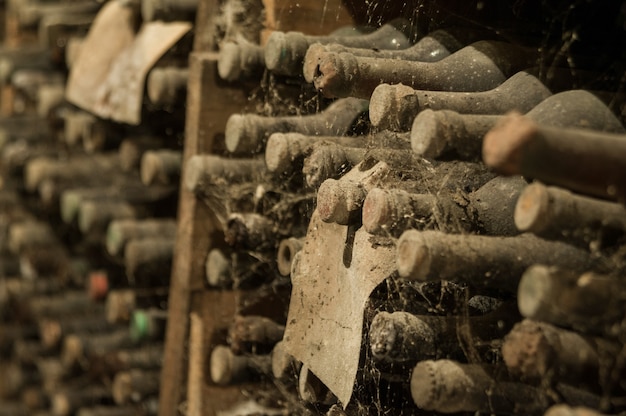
x=312, y=18
x=209, y=102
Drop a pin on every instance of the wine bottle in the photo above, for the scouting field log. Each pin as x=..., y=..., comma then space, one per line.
x=250, y=231
x=121, y=303
x=587, y=302
x=554, y=156
x=135, y=385
x=538, y=351
x=161, y=167
x=228, y=368
x=396, y=106
x=202, y=171
x=147, y=325
x=148, y=262
x=448, y=386
x=237, y=270
x=248, y=133
x=254, y=334
x=52, y=331
x=435, y=133
x=404, y=338
x=75, y=125
x=120, y=232
x=483, y=261
x=93, y=167
x=431, y=48
x=240, y=59
x=167, y=87
x=489, y=62
x=285, y=52
x=67, y=402
x=77, y=348
x=132, y=149
x=555, y=213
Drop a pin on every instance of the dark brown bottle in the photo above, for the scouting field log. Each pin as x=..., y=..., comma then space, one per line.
x=490, y=262
x=587, y=302
x=228, y=368
x=248, y=133
x=285, y=52
x=479, y=67
x=555, y=156
x=489, y=208
x=240, y=60
x=396, y=106
x=539, y=351
x=437, y=133
x=555, y=213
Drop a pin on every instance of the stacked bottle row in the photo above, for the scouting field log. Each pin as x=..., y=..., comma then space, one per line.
x=484, y=312
x=88, y=212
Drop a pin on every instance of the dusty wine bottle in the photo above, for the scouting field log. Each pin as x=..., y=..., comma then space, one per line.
x=94, y=216
x=52, y=331
x=204, y=170
x=285, y=52
x=248, y=133
x=84, y=166
x=75, y=126
x=284, y=366
x=120, y=232
x=285, y=152
x=539, y=351
x=27, y=233
x=330, y=161
x=135, y=385
x=488, y=209
x=161, y=167
x=121, y=303
x=148, y=261
x=435, y=133
x=396, y=106
x=250, y=231
x=431, y=48
x=489, y=62
x=587, y=302
x=237, y=270
x=77, y=349
x=254, y=334
x=228, y=368
x=147, y=325
x=402, y=337
x=132, y=148
x=555, y=213
x=67, y=402
x=554, y=156
x=148, y=357
x=240, y=60
x=167, y=86
x=484, y=261
x=447, y=386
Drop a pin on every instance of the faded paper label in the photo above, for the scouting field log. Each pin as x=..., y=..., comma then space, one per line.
x=108, y=78
x=337, y=271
